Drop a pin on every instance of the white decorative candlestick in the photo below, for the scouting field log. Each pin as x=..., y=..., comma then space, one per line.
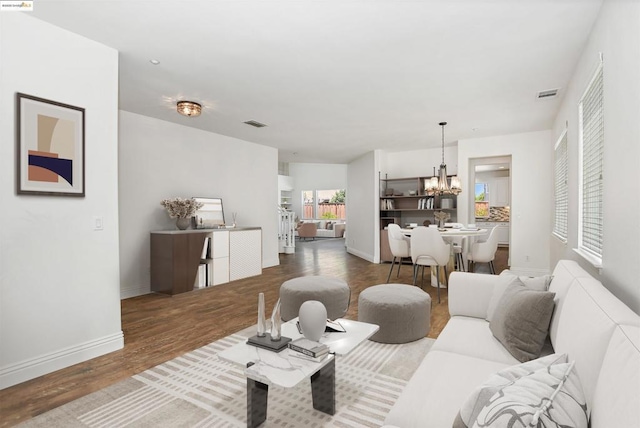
x=262, y=323
x=276, y=322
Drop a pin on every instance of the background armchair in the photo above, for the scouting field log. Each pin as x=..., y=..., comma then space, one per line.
x=307, y=230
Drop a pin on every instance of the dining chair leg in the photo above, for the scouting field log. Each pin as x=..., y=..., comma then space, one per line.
x=492, y=268
x=422, y=280
x=446, y=276
x=391, y=270
x=399, y=264
x=438, y=281
x=415, y=273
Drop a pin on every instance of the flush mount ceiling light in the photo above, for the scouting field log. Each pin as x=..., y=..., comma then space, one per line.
x=189, y=108
x=440, y=185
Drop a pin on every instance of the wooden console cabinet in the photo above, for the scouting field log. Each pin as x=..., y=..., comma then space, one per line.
x=177, y=254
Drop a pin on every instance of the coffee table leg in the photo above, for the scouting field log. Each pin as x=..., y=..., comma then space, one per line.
x=257, y=393
x=323, y=388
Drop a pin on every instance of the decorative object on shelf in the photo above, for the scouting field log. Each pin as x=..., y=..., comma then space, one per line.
x=272, y=341
x=262, y=323
x=50, y=147
x=439, y=185
x=313, y=319
x=234, y=216
x=276, y=323
x=189, y=108
x=441, y=217
x=182, y=223
x=182, y=210
x=210, y=215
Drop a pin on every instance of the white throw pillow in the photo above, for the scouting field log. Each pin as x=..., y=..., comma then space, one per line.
x=540, y=283
x=541, y=393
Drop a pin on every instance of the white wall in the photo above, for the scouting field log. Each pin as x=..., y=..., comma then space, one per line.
x=161, y=160
x=531, y=178
x=418, y=163
x=315, y=176
x=59, y=281
x=617, y=35
x=362, y=235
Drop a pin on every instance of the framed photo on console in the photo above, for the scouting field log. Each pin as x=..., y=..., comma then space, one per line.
x=50, y=147
x=211, y=215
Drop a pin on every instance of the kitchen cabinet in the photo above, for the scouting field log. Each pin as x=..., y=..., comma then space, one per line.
x=501, y=194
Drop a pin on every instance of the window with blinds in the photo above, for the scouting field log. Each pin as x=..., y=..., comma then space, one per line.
x=591, y=159
x=561, y=192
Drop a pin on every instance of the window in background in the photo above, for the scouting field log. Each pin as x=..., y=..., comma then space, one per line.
x=331, y=204
x=561, y=190
x=308, y=204
x=324, y=204
x=591, y=144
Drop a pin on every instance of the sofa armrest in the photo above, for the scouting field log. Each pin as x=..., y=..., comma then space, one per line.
x=339, y=229
x=470, y=293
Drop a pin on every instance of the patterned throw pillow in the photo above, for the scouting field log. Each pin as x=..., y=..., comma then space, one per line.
x=541, y=393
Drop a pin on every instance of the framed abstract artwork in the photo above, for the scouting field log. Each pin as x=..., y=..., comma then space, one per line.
x=50, y=147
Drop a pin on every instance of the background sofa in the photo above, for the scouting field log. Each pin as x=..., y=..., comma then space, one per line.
x=589, y=324
x=323, y=229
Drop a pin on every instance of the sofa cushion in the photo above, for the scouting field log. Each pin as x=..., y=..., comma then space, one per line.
x=618, y=388
x=521, y=320
x=590, y=314
x=472, y=337
x=544, y=392
x=438, y=388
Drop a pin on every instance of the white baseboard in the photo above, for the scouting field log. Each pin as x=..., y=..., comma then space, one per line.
x=367, y=257
x=270, y=263
x=134, y=290
x=30, y=369
x=522, y=271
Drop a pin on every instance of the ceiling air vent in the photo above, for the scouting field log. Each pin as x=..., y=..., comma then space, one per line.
x=547, y=94
x=254, y=123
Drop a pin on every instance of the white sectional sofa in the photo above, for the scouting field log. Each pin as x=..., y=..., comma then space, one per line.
x=588, y=324
x=335, y=230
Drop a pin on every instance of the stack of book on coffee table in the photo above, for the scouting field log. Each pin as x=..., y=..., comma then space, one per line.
x=308, y=349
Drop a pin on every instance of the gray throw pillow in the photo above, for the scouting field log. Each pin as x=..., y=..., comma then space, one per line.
x=521, y=320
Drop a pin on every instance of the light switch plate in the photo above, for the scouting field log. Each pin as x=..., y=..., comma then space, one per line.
x=98, y=223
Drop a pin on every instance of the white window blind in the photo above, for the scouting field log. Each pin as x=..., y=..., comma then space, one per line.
x=591, y=158
x=561, y=193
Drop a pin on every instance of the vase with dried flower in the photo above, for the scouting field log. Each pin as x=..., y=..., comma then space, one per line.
x=182, y=210
x=441, y=217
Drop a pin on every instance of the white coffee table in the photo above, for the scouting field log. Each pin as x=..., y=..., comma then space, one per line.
x=265, y=367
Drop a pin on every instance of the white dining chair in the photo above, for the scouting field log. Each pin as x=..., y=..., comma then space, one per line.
x=400, y=246
x=484, y=252
x=429, y=249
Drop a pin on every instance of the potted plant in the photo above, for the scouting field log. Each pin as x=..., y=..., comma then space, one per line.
x=182, y=210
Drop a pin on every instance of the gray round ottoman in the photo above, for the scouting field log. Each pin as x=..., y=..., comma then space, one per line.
x=402, y=311
x=334, y=293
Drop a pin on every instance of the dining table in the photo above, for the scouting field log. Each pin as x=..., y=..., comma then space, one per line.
x=447, y=233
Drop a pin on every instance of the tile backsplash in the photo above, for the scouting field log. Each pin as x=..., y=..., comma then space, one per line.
x=497, y=214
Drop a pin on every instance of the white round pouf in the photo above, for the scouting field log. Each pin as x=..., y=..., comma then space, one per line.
x=313, y=319
x=333, y=293
x=402, y=311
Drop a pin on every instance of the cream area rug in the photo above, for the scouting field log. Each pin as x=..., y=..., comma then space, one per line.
x=198, y=389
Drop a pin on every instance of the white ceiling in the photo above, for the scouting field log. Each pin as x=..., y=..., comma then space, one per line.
x=334, y=79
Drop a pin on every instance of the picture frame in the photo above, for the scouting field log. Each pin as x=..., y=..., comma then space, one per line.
x=50, y=147
x=211, y=215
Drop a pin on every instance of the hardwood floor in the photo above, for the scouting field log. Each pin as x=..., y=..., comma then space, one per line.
x=158, y=328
